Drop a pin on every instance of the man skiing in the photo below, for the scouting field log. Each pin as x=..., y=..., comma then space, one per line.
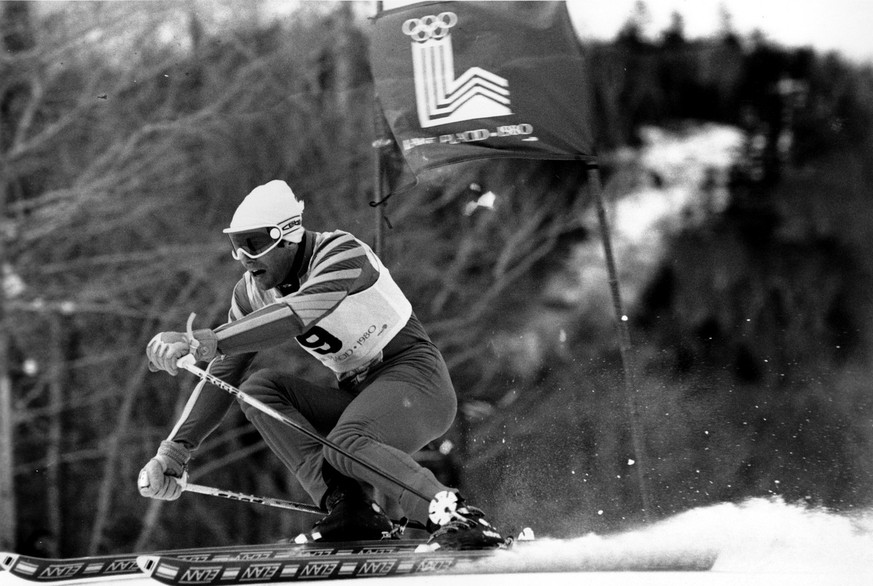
x=332, y=294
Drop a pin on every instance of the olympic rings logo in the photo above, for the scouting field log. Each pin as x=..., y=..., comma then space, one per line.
x=430, y=27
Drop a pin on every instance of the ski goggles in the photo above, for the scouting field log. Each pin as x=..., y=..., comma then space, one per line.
x=255, y=243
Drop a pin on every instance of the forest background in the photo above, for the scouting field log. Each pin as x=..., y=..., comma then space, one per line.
x=129, y=132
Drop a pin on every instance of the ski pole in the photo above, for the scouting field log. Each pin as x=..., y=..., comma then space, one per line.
x=248, y=498
x=187, y=362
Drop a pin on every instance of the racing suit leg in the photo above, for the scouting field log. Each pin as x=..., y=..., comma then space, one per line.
x=400, y=409
x=313, y=406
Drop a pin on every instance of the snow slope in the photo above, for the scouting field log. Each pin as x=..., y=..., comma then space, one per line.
x=761, y=541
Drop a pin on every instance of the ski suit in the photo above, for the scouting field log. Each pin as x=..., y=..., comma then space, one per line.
x=393, y=395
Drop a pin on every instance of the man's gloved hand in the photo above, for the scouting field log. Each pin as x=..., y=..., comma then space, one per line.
x=204, y=346
x=155, y=478
x=165, y=349
x=168, y=347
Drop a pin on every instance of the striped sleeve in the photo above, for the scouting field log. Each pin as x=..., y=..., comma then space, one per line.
x=208, y=405
x=339, y=266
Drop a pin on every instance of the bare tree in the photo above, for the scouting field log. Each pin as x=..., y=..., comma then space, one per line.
x=17, y=38
x=123, y=166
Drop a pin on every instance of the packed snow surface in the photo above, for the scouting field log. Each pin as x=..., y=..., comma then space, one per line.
x=761, y=541
x=765, y=540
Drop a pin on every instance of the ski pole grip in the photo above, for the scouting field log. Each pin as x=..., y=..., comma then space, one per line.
x=189, y=327
x=193, y=342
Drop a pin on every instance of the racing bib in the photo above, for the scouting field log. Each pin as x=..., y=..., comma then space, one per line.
x=361, y=325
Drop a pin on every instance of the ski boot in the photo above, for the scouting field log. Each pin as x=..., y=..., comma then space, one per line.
x=351, y=514
x=456, y=525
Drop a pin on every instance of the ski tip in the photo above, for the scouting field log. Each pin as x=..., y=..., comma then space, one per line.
x=7, y=560
x=527, y=534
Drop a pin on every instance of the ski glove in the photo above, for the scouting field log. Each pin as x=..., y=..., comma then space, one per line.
x=155, y=478
x=167, y=347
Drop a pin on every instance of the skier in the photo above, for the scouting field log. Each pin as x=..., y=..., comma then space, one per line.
x=332, y=294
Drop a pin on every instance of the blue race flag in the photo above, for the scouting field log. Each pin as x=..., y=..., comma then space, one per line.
x=459, y=81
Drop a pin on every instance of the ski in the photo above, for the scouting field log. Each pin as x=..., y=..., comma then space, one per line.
x=305, y=565
x=116, y=565
x=518, y=557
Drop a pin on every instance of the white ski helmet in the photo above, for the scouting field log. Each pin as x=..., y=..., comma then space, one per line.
x=268, y=205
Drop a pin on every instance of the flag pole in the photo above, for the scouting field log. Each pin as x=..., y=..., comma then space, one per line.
x=624, y=344
x=380, y=141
